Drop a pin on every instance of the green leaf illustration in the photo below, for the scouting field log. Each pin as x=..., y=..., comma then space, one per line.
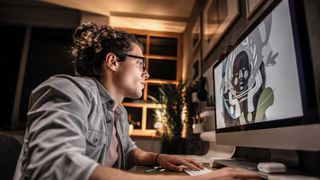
x=266, y=99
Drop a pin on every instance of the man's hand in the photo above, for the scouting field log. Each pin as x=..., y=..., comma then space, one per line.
x=173, y=163
x=230, y=173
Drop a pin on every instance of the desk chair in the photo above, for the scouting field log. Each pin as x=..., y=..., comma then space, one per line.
x=10, y=149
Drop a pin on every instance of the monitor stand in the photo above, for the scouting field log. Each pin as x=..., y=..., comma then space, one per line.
x=225, y=152
x=220, y=151
x=215, y=151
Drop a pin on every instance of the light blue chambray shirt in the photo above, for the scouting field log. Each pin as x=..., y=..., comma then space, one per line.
x=69, y=129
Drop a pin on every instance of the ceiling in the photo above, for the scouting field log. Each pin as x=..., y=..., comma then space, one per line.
x=159, y=15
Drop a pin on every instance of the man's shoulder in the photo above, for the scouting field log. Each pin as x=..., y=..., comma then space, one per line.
x=65, y=80
x=68, y=83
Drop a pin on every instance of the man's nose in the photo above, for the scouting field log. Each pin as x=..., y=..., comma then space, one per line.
x=145, y=74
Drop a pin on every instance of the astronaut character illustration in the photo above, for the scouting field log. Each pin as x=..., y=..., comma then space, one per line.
x=244, y=83
x=245, y=97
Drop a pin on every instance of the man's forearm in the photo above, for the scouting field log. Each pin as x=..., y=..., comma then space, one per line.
x=108, y=173
x=140, y=157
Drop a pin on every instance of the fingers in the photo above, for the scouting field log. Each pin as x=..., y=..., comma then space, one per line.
x=191, y=164
x=196, y=163
x=173, y=167
x=174, y=163
x=180, y=164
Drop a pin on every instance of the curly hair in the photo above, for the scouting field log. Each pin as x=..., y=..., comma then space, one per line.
x=92, y=43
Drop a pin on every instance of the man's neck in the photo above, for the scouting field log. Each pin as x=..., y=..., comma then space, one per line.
x=112, y=91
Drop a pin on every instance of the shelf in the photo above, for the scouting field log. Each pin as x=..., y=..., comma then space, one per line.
x=144, y=133
x=207, y=113
x=208, y=136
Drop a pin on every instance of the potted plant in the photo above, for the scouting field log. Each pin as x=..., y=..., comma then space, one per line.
x=194, y=145
x=168, y=121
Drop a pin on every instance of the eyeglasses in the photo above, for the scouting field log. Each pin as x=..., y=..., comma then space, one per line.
x=141, y=64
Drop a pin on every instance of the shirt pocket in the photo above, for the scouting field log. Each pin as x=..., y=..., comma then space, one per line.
x=96, y=139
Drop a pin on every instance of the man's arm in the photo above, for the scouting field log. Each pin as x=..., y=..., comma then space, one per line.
x=108, y=173
x=139, y=157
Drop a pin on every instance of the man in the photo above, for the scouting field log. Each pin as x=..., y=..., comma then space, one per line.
x=77, y=127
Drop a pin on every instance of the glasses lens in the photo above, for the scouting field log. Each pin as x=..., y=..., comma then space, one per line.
x=143, y=65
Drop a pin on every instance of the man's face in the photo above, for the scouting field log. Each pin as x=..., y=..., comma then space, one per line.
x=130, y=79
x=241, y=72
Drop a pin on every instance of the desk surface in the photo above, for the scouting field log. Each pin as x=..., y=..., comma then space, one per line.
x=142, y=169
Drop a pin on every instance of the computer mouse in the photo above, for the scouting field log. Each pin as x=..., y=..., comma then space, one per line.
x=272, y=167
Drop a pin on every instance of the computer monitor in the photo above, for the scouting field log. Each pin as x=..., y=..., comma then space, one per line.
x=264, y=89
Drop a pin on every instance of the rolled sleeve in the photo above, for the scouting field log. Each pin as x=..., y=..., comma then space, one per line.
x=131, y=146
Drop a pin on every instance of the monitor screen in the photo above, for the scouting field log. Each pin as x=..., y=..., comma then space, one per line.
x=260, y=84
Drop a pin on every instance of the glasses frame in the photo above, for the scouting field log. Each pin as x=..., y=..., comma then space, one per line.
x=144, y=60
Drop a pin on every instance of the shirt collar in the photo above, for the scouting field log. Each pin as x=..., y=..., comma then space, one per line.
x=118, y=110
x=105, y=97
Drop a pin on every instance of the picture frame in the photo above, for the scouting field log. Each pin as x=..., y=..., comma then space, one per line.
x=208, y=74
x=218, y=17
x=252, y=6
x=196, y=34
x=196, y=64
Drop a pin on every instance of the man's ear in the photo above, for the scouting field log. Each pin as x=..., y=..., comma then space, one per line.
x=111, y=61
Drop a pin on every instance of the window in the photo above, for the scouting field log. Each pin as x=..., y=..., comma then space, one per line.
x=47, y=56
x=163, y=54
x=12, y=38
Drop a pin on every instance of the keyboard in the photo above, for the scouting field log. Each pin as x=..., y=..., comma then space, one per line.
x=193, y=172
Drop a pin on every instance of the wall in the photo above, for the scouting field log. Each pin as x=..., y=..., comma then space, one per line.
x=311, y=160
x=312, y=18
x=187, y=53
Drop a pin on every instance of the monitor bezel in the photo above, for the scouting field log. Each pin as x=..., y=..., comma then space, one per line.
x=304, y=63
